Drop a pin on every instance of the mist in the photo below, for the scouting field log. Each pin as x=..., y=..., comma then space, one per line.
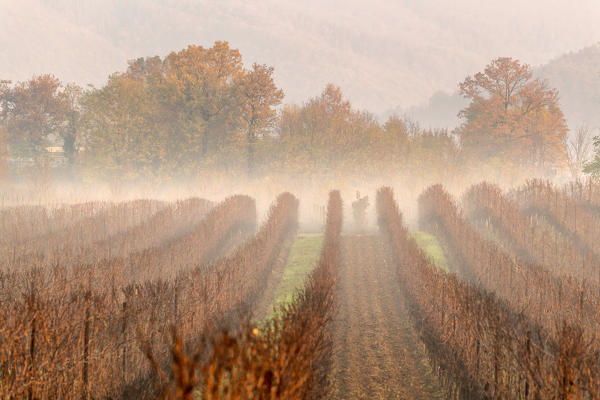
x=299, y=199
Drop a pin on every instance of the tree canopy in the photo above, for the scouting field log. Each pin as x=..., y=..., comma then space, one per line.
x=176, y=116
x=201, y=110
x=32, y=111
x=512, y=117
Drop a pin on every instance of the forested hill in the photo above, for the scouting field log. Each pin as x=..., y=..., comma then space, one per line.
x=382, y=53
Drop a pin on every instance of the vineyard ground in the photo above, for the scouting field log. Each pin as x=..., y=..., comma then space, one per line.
x=377, y=353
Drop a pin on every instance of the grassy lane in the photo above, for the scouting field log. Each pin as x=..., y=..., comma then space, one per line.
x=432, y=248
x=302, y=259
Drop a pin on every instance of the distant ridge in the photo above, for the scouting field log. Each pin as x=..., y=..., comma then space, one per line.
x=577, y=76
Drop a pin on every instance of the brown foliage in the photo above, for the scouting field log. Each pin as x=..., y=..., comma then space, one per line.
x=514, y=115
x=30, y=111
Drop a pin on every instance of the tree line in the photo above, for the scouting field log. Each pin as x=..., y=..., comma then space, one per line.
x=202, y=110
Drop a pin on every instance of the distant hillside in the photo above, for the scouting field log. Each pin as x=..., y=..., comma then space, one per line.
x=439, y=112
x=383, y=53
x=577, y=77
x=36, y=39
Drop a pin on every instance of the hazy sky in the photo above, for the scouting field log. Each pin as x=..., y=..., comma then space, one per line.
x=383, y=53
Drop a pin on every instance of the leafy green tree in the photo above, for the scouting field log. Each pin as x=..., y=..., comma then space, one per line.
x=593, y=167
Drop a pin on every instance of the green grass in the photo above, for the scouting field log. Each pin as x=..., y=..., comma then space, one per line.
x=303, y=258
x=432, y=248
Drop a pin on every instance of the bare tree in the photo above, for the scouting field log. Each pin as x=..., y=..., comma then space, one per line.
x=579, y=148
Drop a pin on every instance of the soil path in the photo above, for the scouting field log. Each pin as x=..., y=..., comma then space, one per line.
x=377, y=354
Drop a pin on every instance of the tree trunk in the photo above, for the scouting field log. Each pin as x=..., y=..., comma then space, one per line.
x=251, y=142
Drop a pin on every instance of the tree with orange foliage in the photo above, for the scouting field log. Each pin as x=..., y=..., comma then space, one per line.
x=201, y=84
x=195, y=110
x=326, y=135
x=30, y=112
x=259, y=95
x=513, y=118
x=123, y=138
x=397, y=129
x=320, y=134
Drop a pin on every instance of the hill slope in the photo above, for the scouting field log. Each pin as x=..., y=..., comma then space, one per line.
x=382, y=53
x=577, y=77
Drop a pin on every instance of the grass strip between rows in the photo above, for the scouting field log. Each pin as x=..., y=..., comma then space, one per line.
x=432, y=248
x=302, y=259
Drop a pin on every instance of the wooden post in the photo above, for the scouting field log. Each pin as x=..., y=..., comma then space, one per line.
x=124, y=336
x=32, y=355
x=86, y=348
